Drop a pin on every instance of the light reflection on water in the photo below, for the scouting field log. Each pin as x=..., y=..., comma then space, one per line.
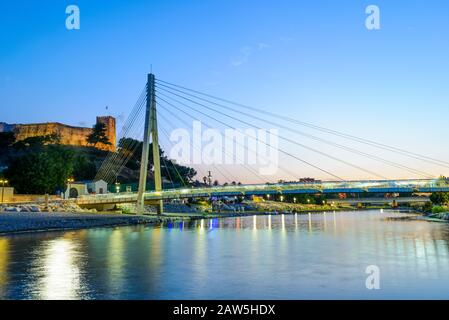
x=321, y=255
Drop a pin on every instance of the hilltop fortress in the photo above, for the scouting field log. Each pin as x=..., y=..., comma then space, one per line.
x=69, y=135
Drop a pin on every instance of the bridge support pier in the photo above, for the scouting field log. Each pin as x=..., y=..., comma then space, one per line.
x=150, y=133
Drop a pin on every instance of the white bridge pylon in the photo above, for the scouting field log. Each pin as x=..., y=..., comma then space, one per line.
x=150, y=134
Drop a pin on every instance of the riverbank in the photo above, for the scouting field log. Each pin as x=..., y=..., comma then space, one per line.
x=24, y=222
x=19, y=222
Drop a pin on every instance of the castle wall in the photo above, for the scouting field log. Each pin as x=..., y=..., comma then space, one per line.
x=69, y=135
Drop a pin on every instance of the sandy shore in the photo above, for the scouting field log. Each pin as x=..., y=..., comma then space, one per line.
x=29, y=222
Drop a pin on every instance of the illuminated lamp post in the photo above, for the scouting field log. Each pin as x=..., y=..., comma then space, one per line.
x=3, y=183
x=69, y=181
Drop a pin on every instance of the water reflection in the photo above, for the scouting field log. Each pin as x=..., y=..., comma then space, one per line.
x=286, y=256
x=4, y=262
x=115, y=261
x=57, y=270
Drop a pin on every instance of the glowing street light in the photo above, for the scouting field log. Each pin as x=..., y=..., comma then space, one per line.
x=3, y=183
x=69, y=181
x=294, y=199
x=282, y=198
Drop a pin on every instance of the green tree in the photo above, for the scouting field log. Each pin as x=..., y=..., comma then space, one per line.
x=132, y=150
x=42, y=171
x=181, y=175
x=7, y=139
x=83, y=168
x=439, y=198
x=98, y=135
x=37, y=142
x=320, y=199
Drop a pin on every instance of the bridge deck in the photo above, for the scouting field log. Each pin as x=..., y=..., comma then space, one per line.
x=360, y=187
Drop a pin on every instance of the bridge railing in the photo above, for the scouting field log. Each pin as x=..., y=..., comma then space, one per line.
x=415, y=185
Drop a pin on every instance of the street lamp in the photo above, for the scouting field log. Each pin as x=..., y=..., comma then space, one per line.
x=117, y=187
x=69, y=181
x=3, y=183
x=294, y=200
x=282, y=198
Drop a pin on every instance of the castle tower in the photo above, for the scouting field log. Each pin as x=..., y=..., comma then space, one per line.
x=109, y=122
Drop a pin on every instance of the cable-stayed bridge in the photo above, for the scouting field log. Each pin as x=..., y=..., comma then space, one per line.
x=163, y=105
x=358, y=187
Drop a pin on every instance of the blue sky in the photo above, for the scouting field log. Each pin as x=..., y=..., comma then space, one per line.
x=312, y=60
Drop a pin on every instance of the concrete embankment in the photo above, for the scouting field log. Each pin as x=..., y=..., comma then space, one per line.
x=38, y=221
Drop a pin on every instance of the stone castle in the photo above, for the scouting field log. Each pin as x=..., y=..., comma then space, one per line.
x=69, y=135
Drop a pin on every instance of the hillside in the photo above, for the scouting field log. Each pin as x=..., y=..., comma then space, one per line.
x=40, y=165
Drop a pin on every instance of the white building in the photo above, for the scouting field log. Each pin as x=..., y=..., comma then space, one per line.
x=79, y=188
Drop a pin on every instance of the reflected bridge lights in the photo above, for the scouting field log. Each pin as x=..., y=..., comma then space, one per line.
x=296, y=221
x=201, y=226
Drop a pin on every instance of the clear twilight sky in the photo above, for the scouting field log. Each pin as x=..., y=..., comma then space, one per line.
x=311, y=60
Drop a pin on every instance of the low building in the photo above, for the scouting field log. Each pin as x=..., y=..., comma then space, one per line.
x=75, y=189
x=81, y=188
x=97, y=187
x=6, y=194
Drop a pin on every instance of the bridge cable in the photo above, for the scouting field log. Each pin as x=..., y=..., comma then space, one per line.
x=112, y=162
x=112, y=158
x=168, y=173
x=322, y=129
x=224, y=150
x=126, y=149
x=283, y=138
x=173, y=164
x=163, y=117
x=284, y=152
x=352, y=150
x=234, y=178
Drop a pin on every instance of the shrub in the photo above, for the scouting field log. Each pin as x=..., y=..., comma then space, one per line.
x=439, y=197
x=439, y=209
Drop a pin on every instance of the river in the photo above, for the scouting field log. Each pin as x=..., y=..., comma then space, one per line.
x=303, y=256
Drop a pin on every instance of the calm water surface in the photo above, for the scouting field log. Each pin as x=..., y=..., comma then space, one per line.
x=260, y=257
